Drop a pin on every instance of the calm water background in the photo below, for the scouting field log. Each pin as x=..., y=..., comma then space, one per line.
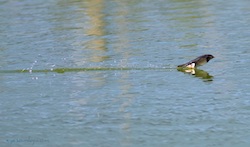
x=151, y=104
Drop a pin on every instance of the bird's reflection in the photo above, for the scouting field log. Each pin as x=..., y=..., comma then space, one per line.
x=197, y=73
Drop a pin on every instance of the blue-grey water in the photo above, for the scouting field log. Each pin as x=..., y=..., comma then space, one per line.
x=103, y=73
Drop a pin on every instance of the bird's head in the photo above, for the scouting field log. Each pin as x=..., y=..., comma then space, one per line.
x=209, y=57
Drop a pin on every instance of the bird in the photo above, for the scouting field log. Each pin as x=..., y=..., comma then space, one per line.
x=199, y=61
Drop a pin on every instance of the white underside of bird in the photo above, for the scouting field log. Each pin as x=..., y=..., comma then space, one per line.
x=192, y=65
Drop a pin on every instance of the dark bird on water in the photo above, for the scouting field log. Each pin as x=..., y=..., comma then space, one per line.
x=199, y=61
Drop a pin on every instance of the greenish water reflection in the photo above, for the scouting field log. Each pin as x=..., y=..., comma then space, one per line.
x=197, y=73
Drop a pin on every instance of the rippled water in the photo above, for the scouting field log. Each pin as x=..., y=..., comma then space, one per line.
x=102, y=73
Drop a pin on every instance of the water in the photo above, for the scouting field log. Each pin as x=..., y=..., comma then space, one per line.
x=102, y=73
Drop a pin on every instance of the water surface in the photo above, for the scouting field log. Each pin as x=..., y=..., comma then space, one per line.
x=102, y=73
